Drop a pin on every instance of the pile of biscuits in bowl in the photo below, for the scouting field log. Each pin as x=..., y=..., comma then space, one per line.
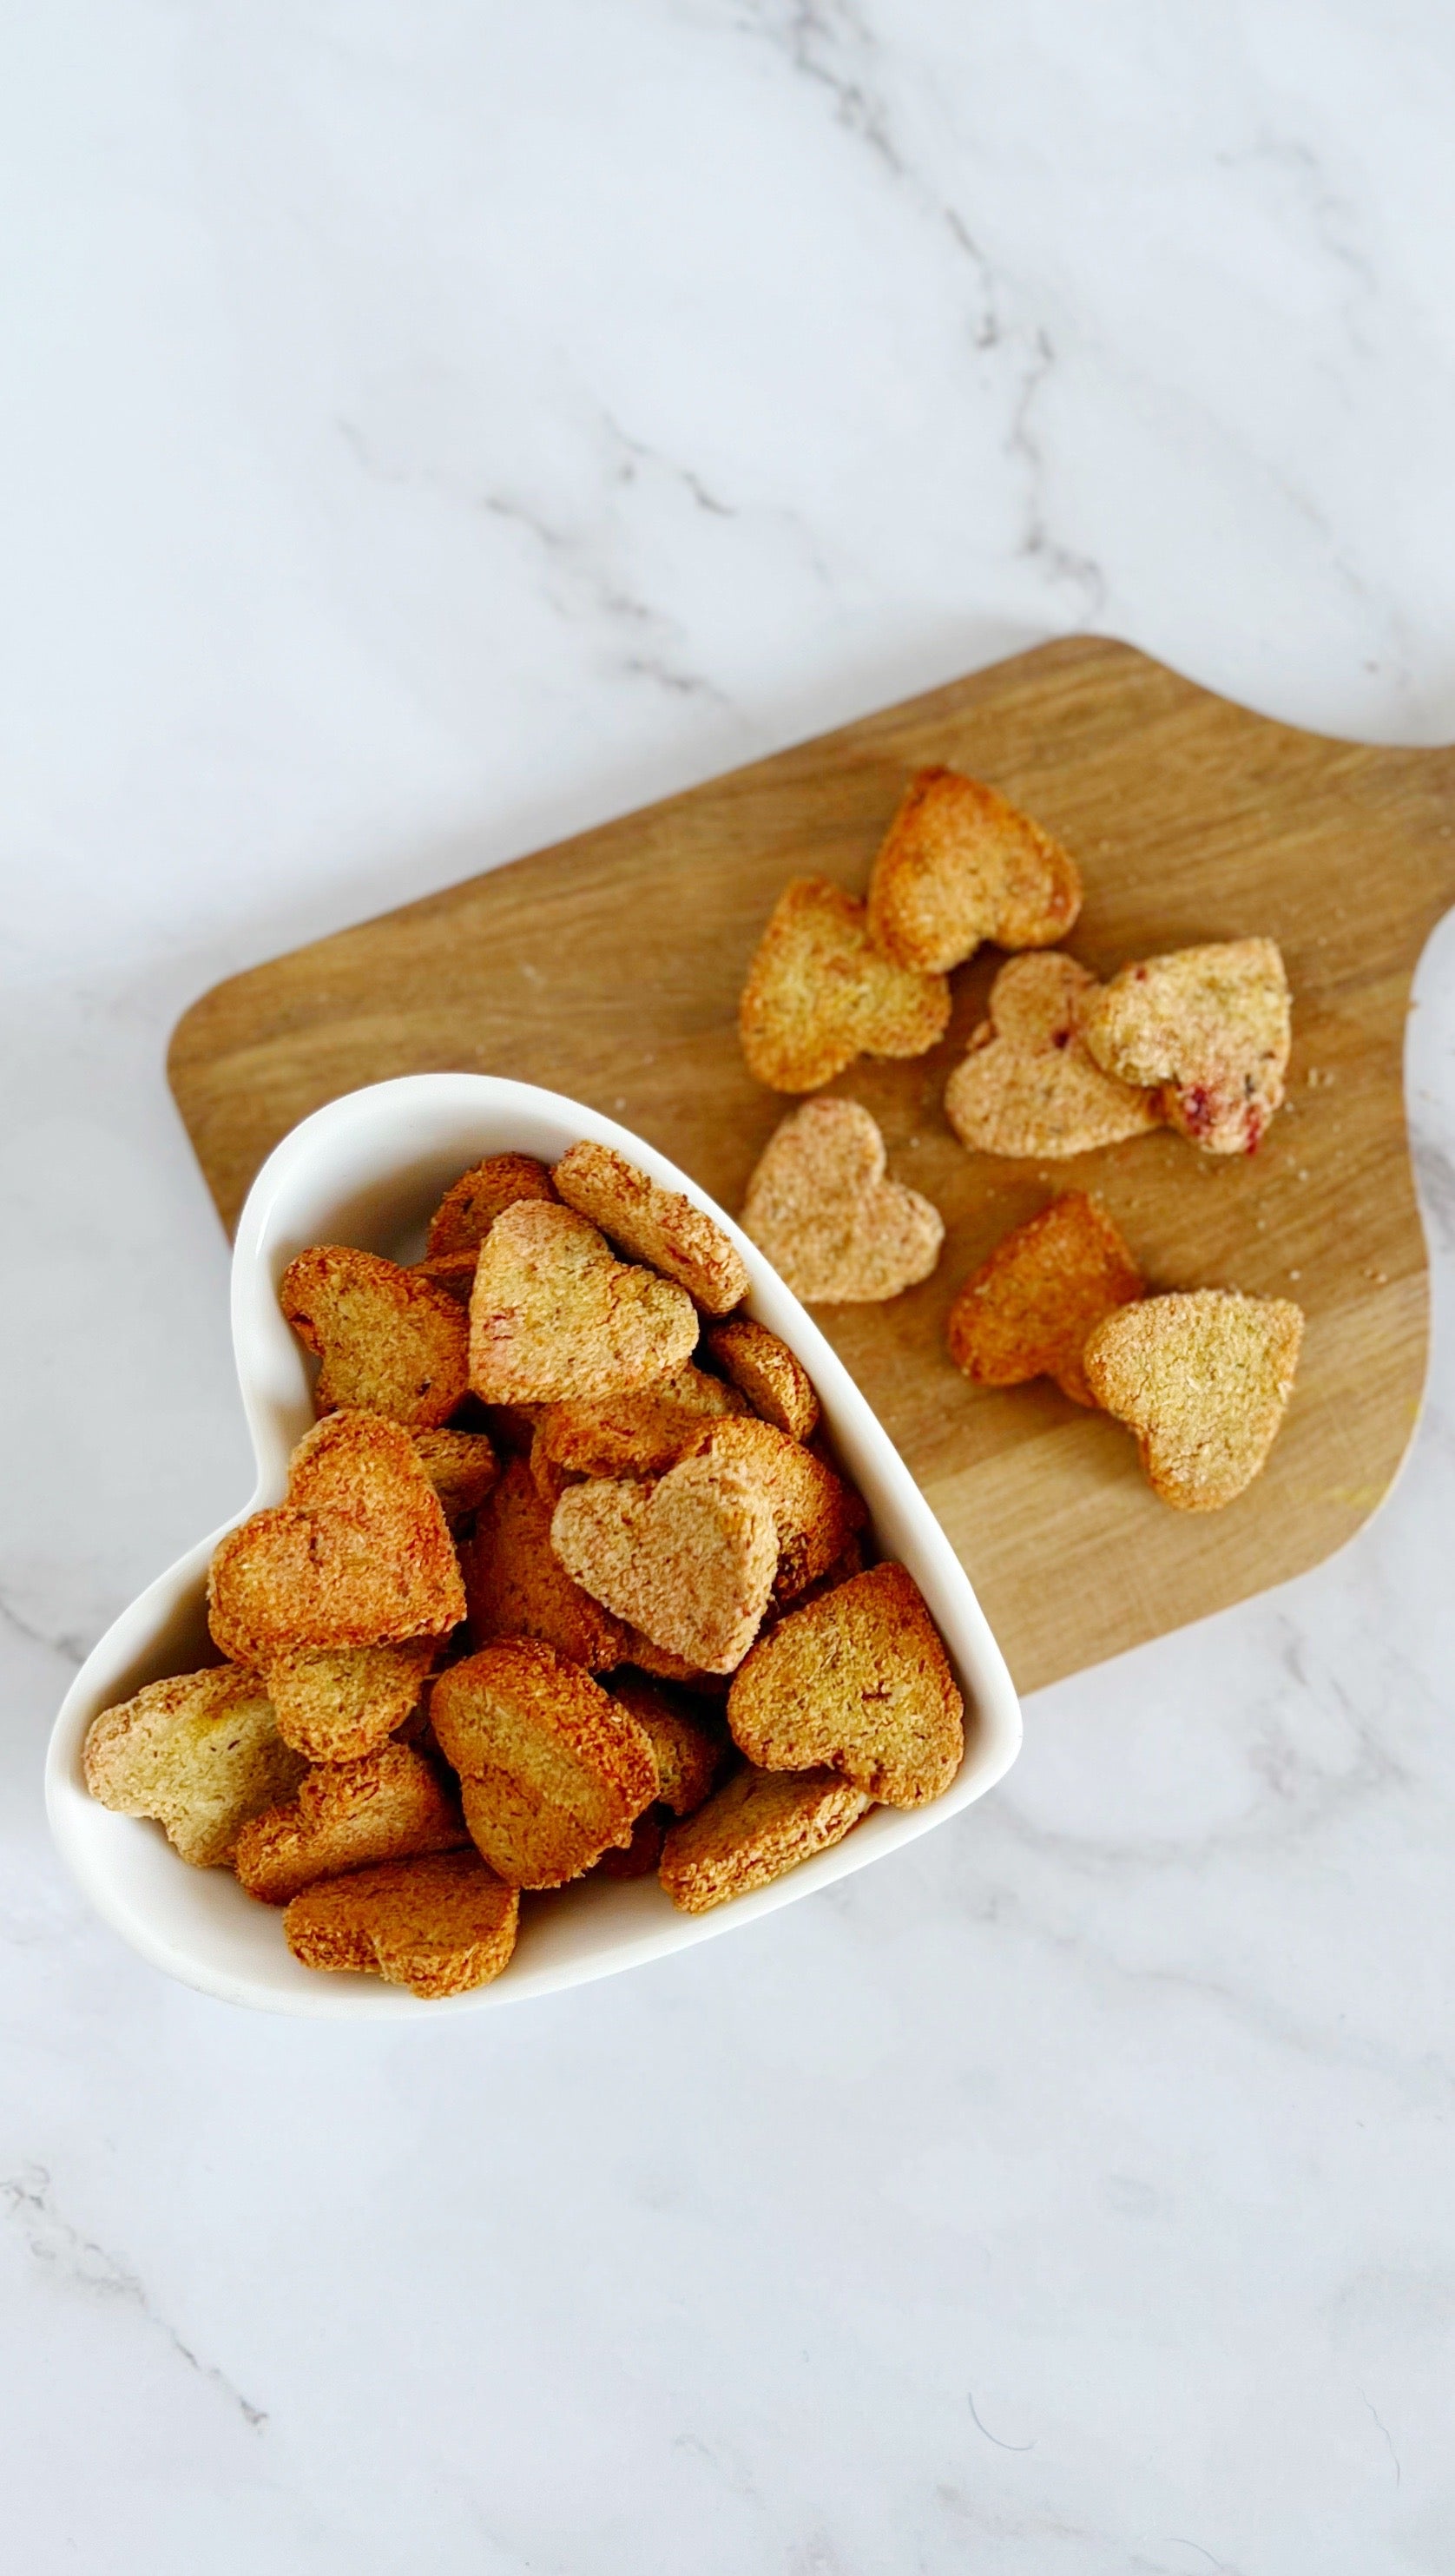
x=567, y=1584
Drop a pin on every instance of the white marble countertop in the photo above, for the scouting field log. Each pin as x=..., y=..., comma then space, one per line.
x=451, y=423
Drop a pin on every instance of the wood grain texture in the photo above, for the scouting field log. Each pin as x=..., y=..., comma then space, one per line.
x=609, y=968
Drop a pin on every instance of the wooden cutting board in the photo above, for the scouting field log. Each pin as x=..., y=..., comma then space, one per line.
x=609, y=968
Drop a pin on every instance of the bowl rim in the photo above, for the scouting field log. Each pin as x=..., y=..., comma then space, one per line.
x=95, y=1841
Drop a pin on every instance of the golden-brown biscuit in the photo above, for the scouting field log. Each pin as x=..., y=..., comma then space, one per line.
x=470, y=1207
x=516, y=1585
x=815, y=1512
x=359, y=1555
x=199, y=1753
x=959, y=865
x=628, y=1435
x=644, y=1655
x=555, y=1318
x=337, y=1703
x=440, y=1925
x=760, y=1825
x=1203, y=1379
x=388, y=1341
x=639, y=1858
x=767, y=1372
x=832, y=1225
x=1028, y=1085
x=454, y=1272
x=461, y=1466
x=689, y=1560
x=687, y=1753
x=860, y=1681
x=1210, y=1026
x=551, y=1769
x=393, y=1805
x=1029, y=1308
x=660, y=1227
x=819, y=993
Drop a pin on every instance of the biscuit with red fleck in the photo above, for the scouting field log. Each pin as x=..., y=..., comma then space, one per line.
x=555, y=1318
x=471, y=1205
x=833, y=1226
x=815, y=1512
x=461, y=1466
x=819, y=993
x=1030, y=1307
x=387, y=1340
x=688, y=1755
x=660, y=1227
x=689, y=1560
x=1028, y=1085
x=516, y=1585
x=440, y=1925
x=958, y=865
x=198, y=1753
x=393, y=1805
x=552, y=1770
x=1203, y=1379
x=1209, y=1025
x=768, y=1373
x=359, y=1555
x=337, y=1703
x=760, y=1825
x=628, y=1435
x=860, y=1681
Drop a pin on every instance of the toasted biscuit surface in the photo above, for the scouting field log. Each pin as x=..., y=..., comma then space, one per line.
x=644, y=1655
x=359, y=1555
x=1211, y=1026
x=689, y=1560
x=1028, y=1310
x=1203, y=1379
x=516, y=1585
x=819, y=993
x=768, y=1373
x=1028, y=1085
x=390, y=1806
x=628, y=1435
x=688, y=1754
x=198, y=1753
x=470, y=1207
x=821, y=1208
x=552, y=1770
x=815, y=1512
x=337, y=1703
x=760, y=1825
x=388, y=1340
x=555, y=1318
x=461, y=1466
x=858, y=1680
x=454, y=1272
x=960, y=864
x=660, y=1227
x=440, y=1925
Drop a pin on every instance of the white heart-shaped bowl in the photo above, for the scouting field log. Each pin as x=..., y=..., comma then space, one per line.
x=367, y=1170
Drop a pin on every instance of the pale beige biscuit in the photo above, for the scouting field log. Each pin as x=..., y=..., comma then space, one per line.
x=687, y=1753
x=516, y=1585
x=1028, y=1085
x=760, y=1825
x=1029, y=1308
x=819, y=993
x=859, y=1680
x=689, y=1560
x=388, y=1341
x=628, y=1435
x=337, y=1703
x=454, y=1272
x=461, y=1466
x=815, y=1512
x=552, y=1770
x=960, y=864
x=198, y=1753
x=1211, y=1026
x=830, y=1222
x=392, y=1805
x=768, y=1373
x=660, y=1227
x=359, y=1555
x=555, y=1318
x=440, y=1926
x=470, y=1207
x=1203, y=1379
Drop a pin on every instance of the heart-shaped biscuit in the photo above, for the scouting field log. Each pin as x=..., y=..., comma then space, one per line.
x=821, y=1208
x=388, y=1340
x=819, y=993
x=555, y=1318
x=1210, y=1026
x=689, y=1561
x=1028, y=1085
x=1031, y=1307
x=1203, y=1380
x=959, y=864
x=359, y=1555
